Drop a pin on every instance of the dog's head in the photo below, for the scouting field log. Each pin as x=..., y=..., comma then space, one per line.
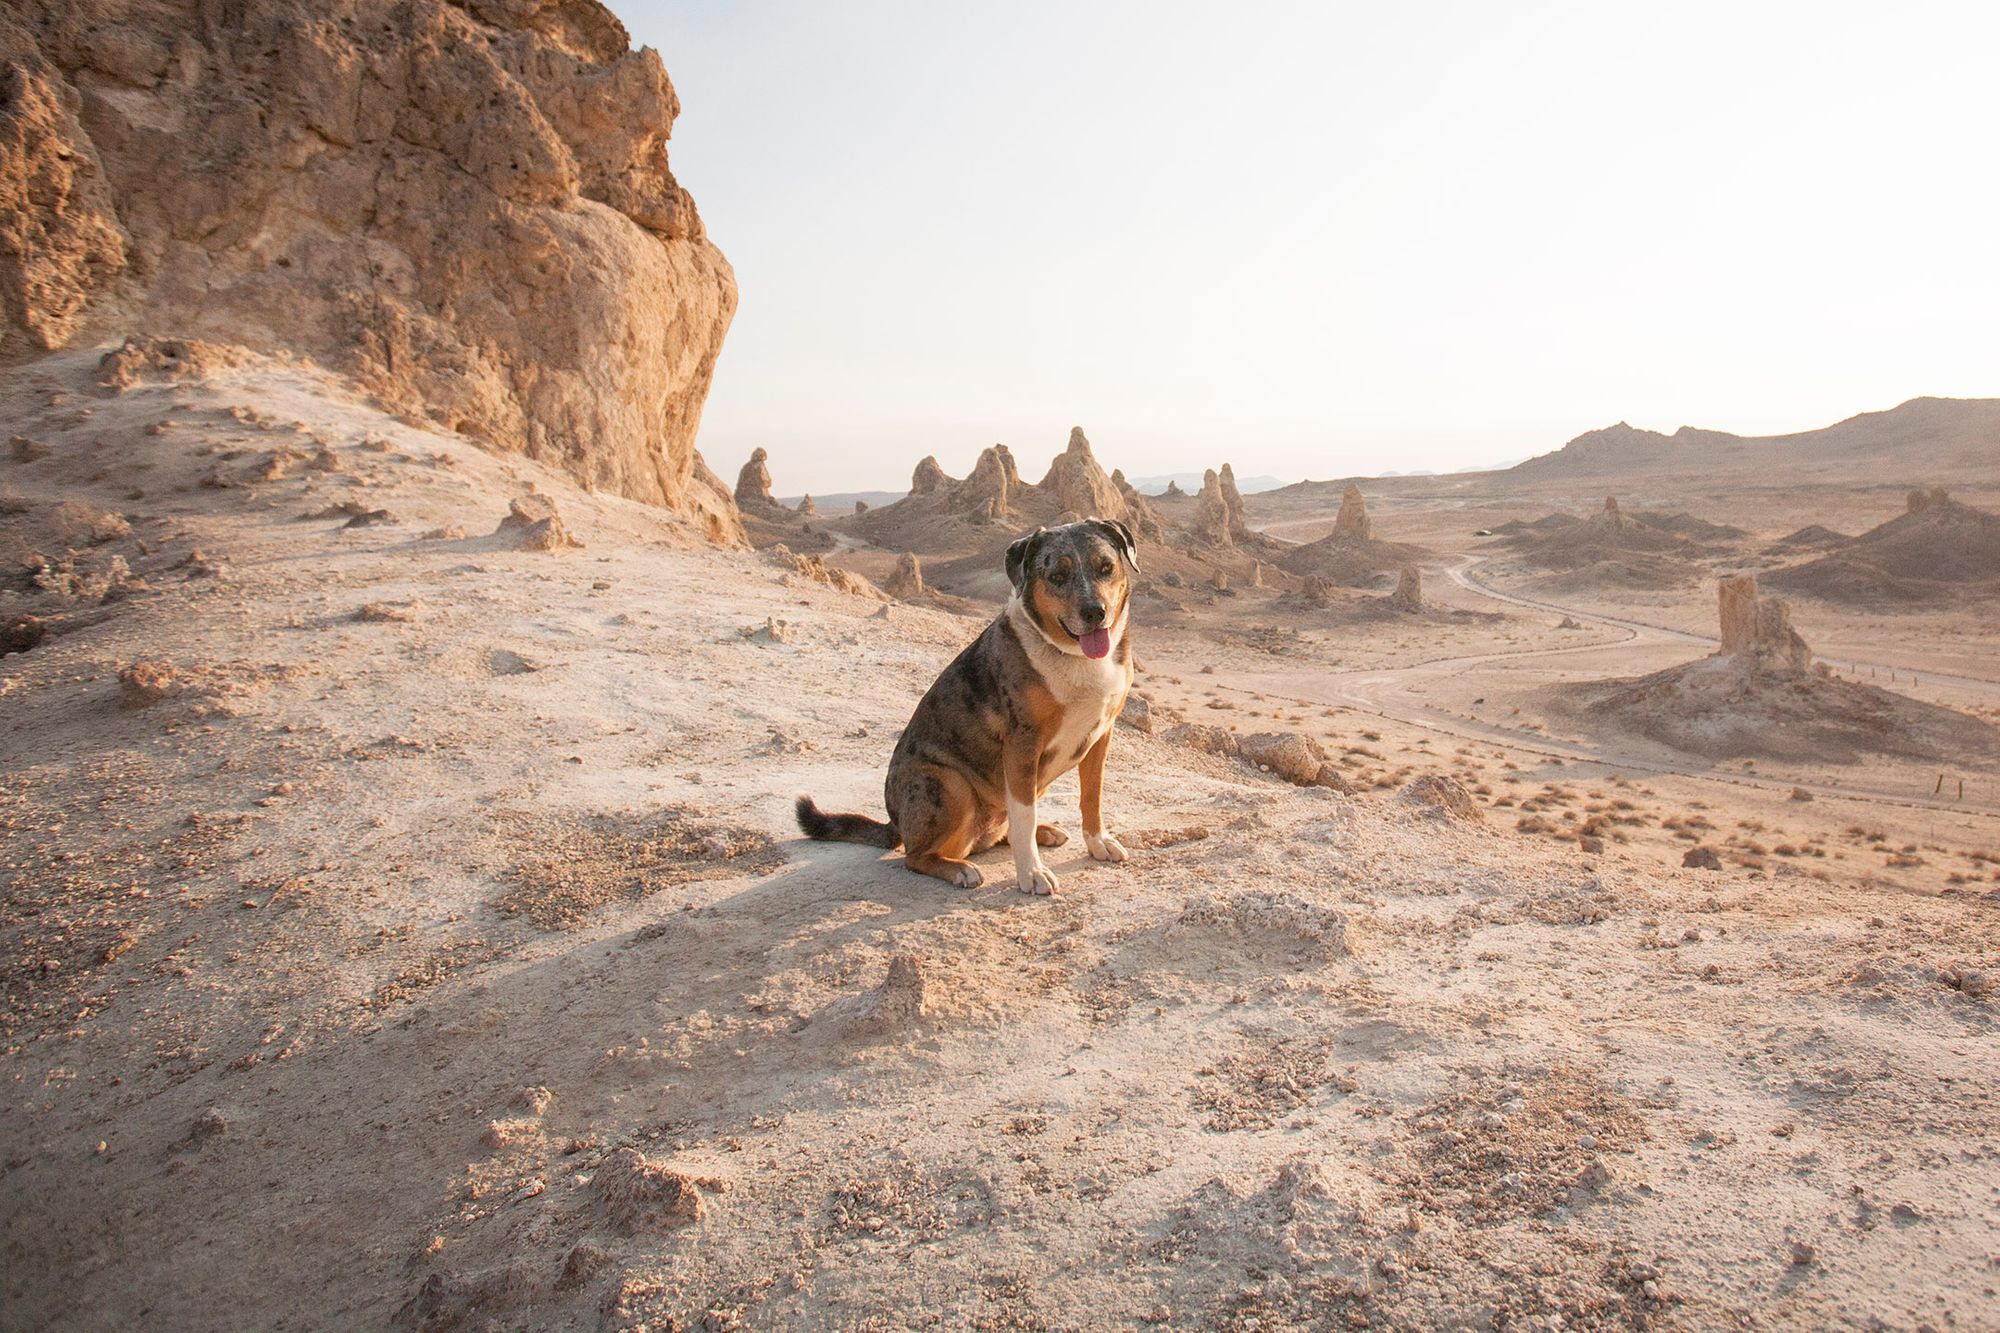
x=1075, y=582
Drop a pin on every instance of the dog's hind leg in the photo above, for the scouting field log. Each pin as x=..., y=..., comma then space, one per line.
x=941, y=813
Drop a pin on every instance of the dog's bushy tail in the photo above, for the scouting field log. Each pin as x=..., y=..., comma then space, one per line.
x=817, y=823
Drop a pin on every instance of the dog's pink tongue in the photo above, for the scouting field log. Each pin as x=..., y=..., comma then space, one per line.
x=1096, y=643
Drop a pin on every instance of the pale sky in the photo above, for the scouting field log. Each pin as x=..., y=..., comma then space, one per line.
x=1327, y=239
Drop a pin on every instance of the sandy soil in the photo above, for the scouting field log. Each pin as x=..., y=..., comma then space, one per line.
x=405, y=928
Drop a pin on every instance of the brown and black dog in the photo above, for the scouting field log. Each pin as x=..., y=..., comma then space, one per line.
x=1028, y=700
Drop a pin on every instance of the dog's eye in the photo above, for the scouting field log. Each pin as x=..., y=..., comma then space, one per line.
x=1058, y=577
x=1104, y=569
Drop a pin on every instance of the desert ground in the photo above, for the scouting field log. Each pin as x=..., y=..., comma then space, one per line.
x=405, y=925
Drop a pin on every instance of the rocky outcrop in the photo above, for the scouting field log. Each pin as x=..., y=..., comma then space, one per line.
x=1075, y=487
x=991, y=487
x=753, y=483
x=1758, y=630
x=1142, y=518
x=906, y=581
x=1937, y=549
x=60, y=241
x=1232, y=503
x=1409, y=594
x=465, y=206
x=1349, y=553
x=1218, y=516
x=1211, y=515
x=1351, y=523
x=807, y=509
x=1079, y=488
x=929, y=478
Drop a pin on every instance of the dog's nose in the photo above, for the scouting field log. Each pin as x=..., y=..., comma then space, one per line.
x=1092, y=613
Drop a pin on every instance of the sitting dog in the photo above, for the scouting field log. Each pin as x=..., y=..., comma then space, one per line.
x=1028, y=700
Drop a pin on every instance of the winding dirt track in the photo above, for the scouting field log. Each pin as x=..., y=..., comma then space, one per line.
x=1407, y=694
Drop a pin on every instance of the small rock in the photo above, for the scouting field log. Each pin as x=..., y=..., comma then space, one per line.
x=1701, y=858
x=1442, y=797
x=1803, y=1254
x=1137, y=714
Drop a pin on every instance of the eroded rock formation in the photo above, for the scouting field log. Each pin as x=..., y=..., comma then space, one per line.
x=1218, y=516
x=1075, y=487
x=753, y=483
x=466, y=206
x=929, y=478
x=1351, y=523
x=1758, y=630
x=906, y=580
x=1409, y=594
x=991, y=487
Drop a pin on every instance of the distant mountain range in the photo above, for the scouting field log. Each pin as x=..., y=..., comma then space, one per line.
x=1932, y=437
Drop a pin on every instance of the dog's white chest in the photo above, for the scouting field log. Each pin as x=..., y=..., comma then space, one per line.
x=1090, y=693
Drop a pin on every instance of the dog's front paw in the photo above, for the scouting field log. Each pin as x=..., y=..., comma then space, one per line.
x=1104, y=847
x=969, y=877
x=1041, y=881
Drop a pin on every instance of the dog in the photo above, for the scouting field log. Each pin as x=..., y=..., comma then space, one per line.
x=1028, y=700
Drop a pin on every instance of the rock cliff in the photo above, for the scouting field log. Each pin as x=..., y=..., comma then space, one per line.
x=465, y=206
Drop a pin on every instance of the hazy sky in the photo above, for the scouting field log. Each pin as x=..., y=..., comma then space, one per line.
x=1324, y=239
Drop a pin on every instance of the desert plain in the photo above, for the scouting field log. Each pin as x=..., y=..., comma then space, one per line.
x=1561, y=897
x=406, y=925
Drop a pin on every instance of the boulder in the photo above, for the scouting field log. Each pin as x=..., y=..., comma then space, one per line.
x=1442, y=797
x=1137, y=714
x=533, y=524
x=1200, y=736
x=465, y=207
x=1293, y=757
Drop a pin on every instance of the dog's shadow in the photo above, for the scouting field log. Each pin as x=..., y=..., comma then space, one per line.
x=818, y=871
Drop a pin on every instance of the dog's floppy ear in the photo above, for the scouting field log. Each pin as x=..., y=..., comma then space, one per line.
x=1020, y=553
x=1120, y=537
